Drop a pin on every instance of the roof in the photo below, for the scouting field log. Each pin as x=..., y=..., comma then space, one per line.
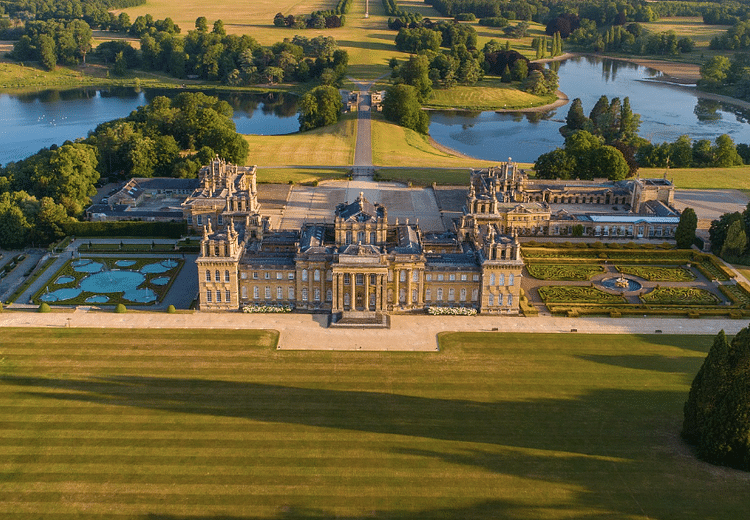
x=450, y=260
x=629, y=219
x=361, y=210
x=408, y=241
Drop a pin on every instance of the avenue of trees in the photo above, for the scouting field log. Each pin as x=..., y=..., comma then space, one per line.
x=164, y=138
x=718, y=406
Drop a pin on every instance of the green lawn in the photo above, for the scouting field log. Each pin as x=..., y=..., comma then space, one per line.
x=176, y=423
x=488, y=94
x=737, y=177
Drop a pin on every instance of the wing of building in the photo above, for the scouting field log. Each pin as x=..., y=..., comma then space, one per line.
x=363, y=266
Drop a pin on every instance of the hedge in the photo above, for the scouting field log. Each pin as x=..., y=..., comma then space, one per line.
x=126, y=228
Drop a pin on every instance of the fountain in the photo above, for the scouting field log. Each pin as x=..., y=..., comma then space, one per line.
x=621, y=284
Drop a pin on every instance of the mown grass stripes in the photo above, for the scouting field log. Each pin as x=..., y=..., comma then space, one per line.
x=167, y=424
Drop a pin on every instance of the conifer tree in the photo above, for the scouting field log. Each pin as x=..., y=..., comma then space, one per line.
x=736, y=241
x=685, y=233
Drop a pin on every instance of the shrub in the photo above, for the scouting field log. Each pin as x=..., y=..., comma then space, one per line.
x=44, y=307
x=451, y=311
x=577, y=294
x=680, y=296
x=563, y=272
x=657, y=273
x=121, y=309
x=171, y=309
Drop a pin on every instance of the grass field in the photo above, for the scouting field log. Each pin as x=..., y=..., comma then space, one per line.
x=489, y=94
x=171, y=424
x=704, y=178
x=394, y=145
x=329, y=146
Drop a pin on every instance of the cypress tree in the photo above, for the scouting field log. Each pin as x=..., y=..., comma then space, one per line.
x=629, y=122
x=576, y=119
x=736, y=241
x=685, y=233
x=600, y=108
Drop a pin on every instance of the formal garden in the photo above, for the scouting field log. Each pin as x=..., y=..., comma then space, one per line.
x=110, y=281
x=629, y=279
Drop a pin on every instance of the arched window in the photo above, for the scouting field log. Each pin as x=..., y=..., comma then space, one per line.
x=428, y=295
x=492, y=279
x=490, y=300
x=502, y=279
x=244, y=292
x=402, y=296
x=500, y=299
x=510, y=299
x=304, y=275
x=414, y=294
x=316, y=275
x=256, y=292
x=451, y=295
x=463, y=295
x=208, y=275
x=290, y=293
x=218, y=296
x=440, y=294
x=227, y=296
x=218, y=276
x=317, y=294
x=329, y=295
x=279, y=293
x=510, y=279
x=208, y=296
x=226, y=275
x=268, y=293
x=304, y=294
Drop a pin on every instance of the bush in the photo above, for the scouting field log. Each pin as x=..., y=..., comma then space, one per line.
x=465, y=17
x=171, y=309
x=121, y=309
x=44, y=307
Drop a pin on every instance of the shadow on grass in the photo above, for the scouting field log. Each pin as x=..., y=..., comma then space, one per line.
x=370, y=45
x=609, y=446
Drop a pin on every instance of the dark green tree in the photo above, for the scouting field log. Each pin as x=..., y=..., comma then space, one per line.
x=725, y=153
x=401, y=105
x=320, y=107
x=735, y=243
x=719, y=228
x=557, y=164
x=685, y=233
x=718, y=407
x=576, y=119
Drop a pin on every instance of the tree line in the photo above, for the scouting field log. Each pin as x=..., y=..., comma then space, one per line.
x=164, y=138
x=329, y=19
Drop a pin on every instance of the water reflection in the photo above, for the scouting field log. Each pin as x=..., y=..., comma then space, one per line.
x=667, y=112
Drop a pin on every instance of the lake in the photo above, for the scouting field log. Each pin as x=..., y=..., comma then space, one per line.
x=667, y=111
x=31, y=121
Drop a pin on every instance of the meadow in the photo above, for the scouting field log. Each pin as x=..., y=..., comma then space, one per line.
x=171, y=424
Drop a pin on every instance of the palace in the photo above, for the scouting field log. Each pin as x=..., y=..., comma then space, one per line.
x=362, y=266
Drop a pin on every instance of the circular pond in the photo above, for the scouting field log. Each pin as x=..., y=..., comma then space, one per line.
x=99, y=298
x=87, y=267
x=160, y=267
x=621, y=284
x=64, y=279
x=162, y=280
x=61, y=294
x=124, y=263
x=112, y=281
x=140, y=295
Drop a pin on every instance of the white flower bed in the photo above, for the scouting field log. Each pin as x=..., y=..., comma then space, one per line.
x=267, y=308
x=451, y=311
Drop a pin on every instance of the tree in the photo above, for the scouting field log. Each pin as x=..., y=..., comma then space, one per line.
x=47, y=52
x=576, y=119
x=718, y=405
x=401, y=105
x=607, y=162
x=557, y=164
x=201, y=24
x=725, y=153
x=736, y=241
x=415, y=72
x=685, y=233
x=719, y=229
x=320, y=107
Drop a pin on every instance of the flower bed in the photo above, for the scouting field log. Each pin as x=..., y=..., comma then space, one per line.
x=680, y=296
x=451, y=311
x=657, y=273
x=563, y=271
x=577, y=294
x=255, y=309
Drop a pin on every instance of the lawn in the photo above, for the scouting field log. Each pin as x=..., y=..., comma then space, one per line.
x=177, y=423
x=703, y=178
x=489, y=94
x=329, y=146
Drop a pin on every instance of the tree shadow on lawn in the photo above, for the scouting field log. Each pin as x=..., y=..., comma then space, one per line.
x=609, y=446
x=370, y=45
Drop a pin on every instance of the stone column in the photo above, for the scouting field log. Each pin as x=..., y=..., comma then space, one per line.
x=367, y=291
x=397, y=280
x=383, y=292
x=420, y=289
x=334, y=292
x=310, y=273
x=408, y=287
x=353, y=279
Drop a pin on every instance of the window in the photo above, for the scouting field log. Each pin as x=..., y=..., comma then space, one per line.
x=492, y=279
x=190, y=220
x=373, y=237
x=256, y=292
x=216, y=251
x=510, y=279
x=463, y=277
x=361, y=237
x=402, y=296
x=208, y=296
x=415, y=276
x=200, y=220
x=329, y=295
x=220, y=220
x=255, y=275
x=304, y=275
x=316, y=275
x=291, y=276
x=329, y=275
x=360, y=279
x=475, y=277
x=348, y=237
x=218, y=276
x=428, y=295
x=226, y=276
x=502, y=279
x=347, y=279
x=510, y=299
x=414, y=294
x=227, y=296
x=304, y=294
x=268, y=293
x=452, y=277
x=402, y=275
x=290, y=293
x=244, y=292
x=440, y=278
x=279, y=275
x=451, y=294
x=317, y=294
x=243, y=275
x=346, y=299
x=279, y=293
x=373, y=279
x=428, y=277
x=440, y=294
x=500, y=299
x=218, y=296
x=208, y=275
x=267, y=275
x=474, y=295
x=462, y=296
x=490, y=300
